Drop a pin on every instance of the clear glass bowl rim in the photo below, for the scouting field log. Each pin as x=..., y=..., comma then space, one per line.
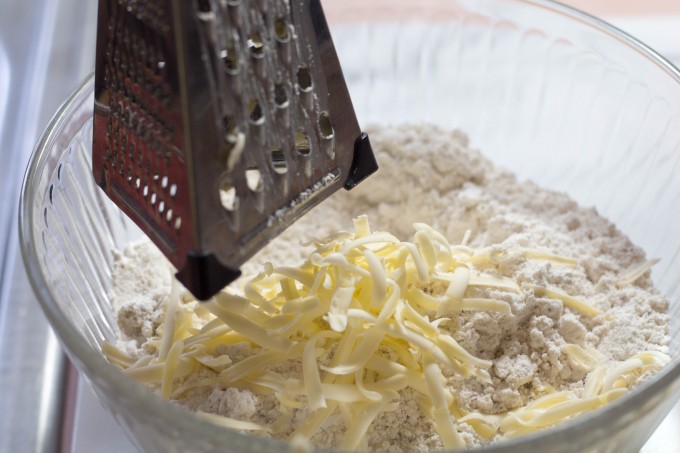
x=169, y=413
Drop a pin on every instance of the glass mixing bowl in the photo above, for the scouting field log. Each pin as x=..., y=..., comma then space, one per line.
x=546, y=91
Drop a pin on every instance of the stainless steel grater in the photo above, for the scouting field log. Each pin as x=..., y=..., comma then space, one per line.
x=217, y=123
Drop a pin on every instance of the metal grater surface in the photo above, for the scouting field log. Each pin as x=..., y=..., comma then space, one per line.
x=219, y=122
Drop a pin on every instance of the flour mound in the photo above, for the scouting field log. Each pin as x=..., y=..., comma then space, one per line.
x=431, y=175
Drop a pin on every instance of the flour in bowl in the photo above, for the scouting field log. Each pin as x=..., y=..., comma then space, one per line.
x=480, y=308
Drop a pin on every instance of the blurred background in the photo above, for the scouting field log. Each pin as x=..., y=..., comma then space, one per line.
x=46, y=49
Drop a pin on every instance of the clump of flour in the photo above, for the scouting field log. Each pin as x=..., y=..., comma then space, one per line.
x=431, y=175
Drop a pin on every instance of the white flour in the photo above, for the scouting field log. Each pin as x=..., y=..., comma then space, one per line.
x=429, y=175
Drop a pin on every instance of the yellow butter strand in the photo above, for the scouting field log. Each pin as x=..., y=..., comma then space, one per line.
x=361, y=226
x=193, y=384
x=540, y=255
x=153, y=373
x=249, y=329
x=426, y=246
x=440, y=397
x=170, y=365
x=310, y=371
x=455, y=291
x=378, y=280
x=568, y=300
x=116, y=356
x=170, y=320
x=586, y=359
x=630, y=277
x=359, y=425
x=231, y=423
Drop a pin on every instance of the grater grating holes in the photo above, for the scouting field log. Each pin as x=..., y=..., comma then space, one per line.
x=280, y=96
x=255, y=114
x=204, y=6
x=325, y=126
x=302, y=143
x=230, y=129
x=254, y=179
x=304, y=79
x=278, y=160
x=256, y=45
x=281, y=30
x=228, y=196
x=230, y=61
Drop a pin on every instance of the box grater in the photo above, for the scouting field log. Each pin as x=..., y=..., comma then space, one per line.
x=217, y=123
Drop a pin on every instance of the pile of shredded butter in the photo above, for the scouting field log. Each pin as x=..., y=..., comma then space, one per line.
x=374, y=342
